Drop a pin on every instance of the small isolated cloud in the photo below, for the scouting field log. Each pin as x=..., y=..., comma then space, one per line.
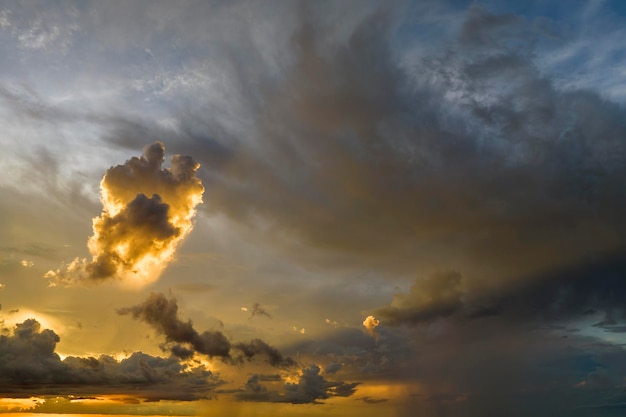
x=370, y=324
x=257, y=310
x=336, y=324
x=184, y=341
x=26, y=263
x=147, y=211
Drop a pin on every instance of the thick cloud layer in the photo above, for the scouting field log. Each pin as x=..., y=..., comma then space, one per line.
x=30, y=366
x=590, y=289
x=463, y=155
x=162, y=314
x=147, y=211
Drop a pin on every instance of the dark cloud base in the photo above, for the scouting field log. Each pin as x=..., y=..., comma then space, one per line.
x=29, y=366
x=574, y=292
x=311, y=387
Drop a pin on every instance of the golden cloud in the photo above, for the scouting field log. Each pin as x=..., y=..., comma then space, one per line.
x=147, y=211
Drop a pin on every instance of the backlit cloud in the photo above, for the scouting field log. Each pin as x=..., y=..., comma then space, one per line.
x=147, y=211
x=370, y=324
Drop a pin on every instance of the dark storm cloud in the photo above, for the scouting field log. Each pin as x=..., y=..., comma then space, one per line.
x=162, y=314
x=30, y=366
x=517, y=372
x=589, y=288
x=436, y=296
x=464, y=155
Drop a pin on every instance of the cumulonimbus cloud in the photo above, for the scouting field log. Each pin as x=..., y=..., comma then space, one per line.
x=147, y=210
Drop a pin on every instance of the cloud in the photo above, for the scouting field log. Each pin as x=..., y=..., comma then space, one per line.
x=588, y=288
x=254, y=391
x=257, y=310
x=259, y=347
x=407, y=142
x=370, y=400
x=370, y=324
x=147, y=211
x=462, y=155
x=332, y=368
x=162, y=314
x=30, y=366
x=310, y=388
x=437, y=295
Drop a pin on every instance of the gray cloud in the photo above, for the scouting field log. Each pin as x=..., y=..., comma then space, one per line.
x=162, y=314
x=257, y=310
x=574, y=292
x=370, y=400
x=259, y=347
x=465, y=155
x=332, y=368
x=310, y=388
x=30, y=366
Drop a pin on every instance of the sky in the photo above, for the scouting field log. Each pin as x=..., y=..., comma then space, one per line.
x=313, y=208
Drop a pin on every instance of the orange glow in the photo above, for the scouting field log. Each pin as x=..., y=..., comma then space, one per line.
x=20, y=404
x=142, y=222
